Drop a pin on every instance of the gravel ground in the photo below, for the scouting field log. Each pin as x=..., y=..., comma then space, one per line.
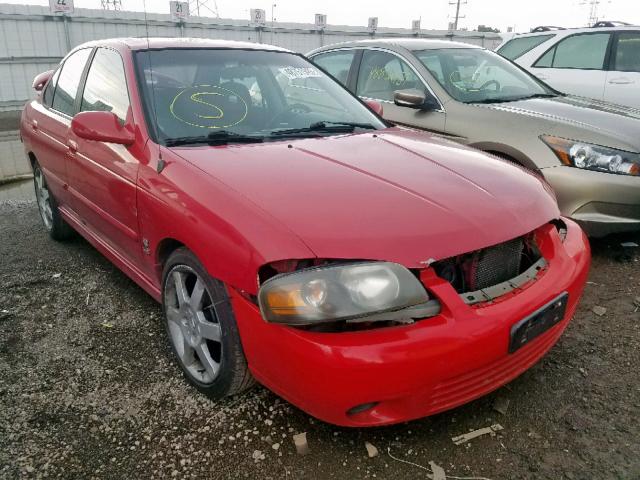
x=88, y=389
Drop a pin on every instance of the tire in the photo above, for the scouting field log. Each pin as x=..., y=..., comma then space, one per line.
x=504, y=156
x=57, y=228
x=202, y=329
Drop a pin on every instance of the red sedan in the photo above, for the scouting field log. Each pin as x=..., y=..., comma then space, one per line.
x=368, y=274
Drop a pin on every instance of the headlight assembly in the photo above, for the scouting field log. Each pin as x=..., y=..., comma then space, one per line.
x=593, y=157
x=353, y=292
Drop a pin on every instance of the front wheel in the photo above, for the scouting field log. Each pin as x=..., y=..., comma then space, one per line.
x=57, y=228
x=202, y=329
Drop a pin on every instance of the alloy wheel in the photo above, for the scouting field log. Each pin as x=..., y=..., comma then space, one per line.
x=192, y=323
x=43, y=198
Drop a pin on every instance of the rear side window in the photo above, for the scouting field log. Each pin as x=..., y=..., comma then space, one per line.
x=47, y=96
x=627, y=57
x=68, y=81
x=336, y=63
x=586, y=51
x=106, y=86
x=517, y=47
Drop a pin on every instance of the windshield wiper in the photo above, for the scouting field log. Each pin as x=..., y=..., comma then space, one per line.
x=537, y=95
x=515, y=99
x=495, y=100
x=325, y=126
x=221, y=137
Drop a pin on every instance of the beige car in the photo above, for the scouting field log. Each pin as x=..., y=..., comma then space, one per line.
x=586, y=149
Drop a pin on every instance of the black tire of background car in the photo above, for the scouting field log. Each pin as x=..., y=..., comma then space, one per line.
x=234, y=377
x=60, y=230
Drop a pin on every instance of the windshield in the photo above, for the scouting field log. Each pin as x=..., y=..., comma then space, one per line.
x=519, y=46
x=242, y=95
x=473, y=75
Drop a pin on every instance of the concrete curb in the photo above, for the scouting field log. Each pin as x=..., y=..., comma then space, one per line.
x=15, y=178
x=9, y=135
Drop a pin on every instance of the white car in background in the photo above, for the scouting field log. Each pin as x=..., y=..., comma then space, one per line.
x=601, y=62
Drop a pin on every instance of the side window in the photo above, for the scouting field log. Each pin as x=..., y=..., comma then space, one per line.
x=547, y=59
x=106, y=86
x=519, y=46
x=67, y=86
x=627, y=57
x=585, y=51
x=336, y=63
x=383, y=73
x=47, y=96
x=432, y=62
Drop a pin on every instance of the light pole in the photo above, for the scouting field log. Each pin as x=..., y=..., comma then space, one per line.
x=457, y=3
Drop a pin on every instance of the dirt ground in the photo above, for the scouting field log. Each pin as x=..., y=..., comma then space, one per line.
x=88, y=388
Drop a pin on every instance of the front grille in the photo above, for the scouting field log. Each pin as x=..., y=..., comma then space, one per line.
x=489, y=266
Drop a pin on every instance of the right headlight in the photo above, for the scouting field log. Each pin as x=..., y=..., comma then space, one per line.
x=588, y=156
x=367, y=291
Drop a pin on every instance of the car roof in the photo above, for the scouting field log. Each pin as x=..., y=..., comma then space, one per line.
x=154, y=43
x=408, y=43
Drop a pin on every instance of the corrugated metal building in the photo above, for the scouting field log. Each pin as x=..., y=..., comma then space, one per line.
x=33, y=40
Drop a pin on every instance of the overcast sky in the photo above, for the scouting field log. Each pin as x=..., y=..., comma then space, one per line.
x=522, y=15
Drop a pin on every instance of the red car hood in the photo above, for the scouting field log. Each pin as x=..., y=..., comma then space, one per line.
x=398, y=195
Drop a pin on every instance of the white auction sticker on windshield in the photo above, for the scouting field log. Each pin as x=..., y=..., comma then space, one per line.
x=292, y=73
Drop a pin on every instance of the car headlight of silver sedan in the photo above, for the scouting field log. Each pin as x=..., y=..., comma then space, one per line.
x=593, y=157
x=355, y=292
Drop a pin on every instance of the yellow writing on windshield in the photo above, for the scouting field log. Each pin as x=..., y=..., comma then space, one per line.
x=209, y=106
x=196, y=97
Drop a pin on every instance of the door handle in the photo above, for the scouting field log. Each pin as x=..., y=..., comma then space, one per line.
x=72, y=146
x=621, y=81
x=34, y=125
x=543, y=77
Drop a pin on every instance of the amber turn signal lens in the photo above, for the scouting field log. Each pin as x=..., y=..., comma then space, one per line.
x=286, y=302
x=560, y=147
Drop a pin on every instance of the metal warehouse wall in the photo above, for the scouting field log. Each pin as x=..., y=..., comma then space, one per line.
x=33, y=40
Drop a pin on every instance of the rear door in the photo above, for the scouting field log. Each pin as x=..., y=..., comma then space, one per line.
x=50, y=120
x=103, y=175
x=623, y=78
x=381, y=73
x=576, y=64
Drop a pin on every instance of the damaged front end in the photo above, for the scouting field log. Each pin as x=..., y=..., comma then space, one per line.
x=488, y=273
x=378, y=372
x=344, y=296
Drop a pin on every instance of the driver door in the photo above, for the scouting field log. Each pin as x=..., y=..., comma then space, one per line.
x=381, y=73
x=103, y=175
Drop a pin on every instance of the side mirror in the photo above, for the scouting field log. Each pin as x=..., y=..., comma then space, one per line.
x=41, y=80
x=375, y=106
x=414, y=98
x=101, y=127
